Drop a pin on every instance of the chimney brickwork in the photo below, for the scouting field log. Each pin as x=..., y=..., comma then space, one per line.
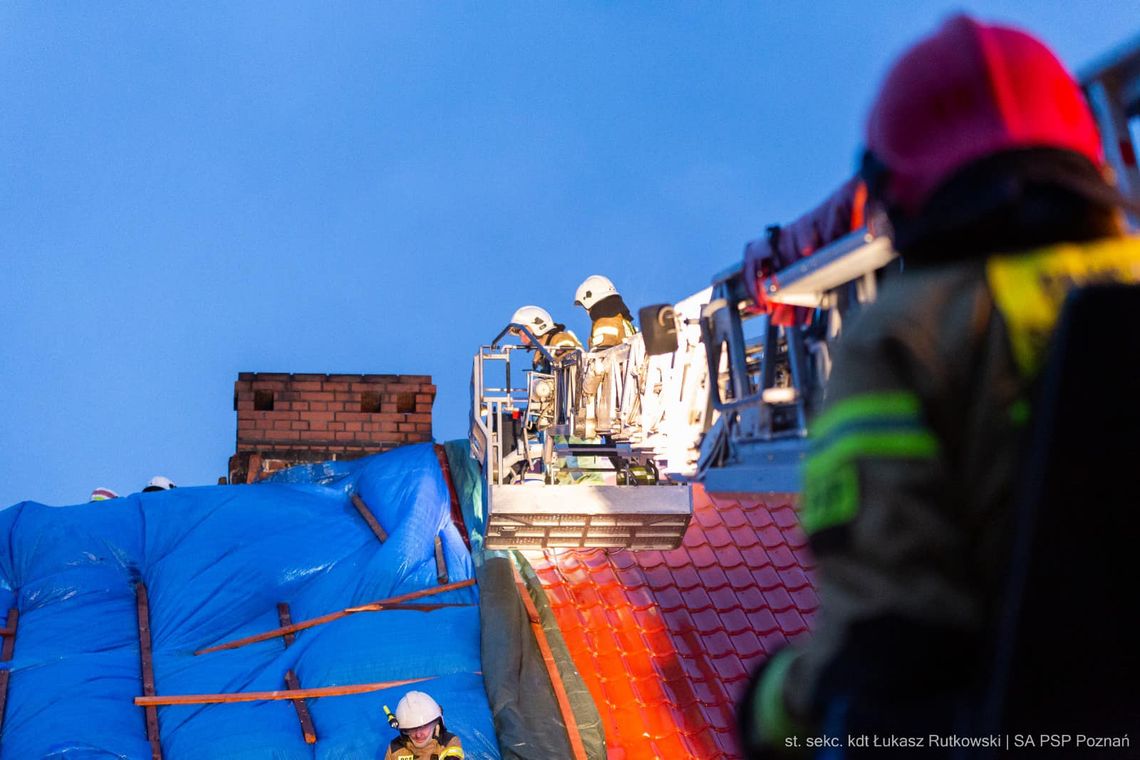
x=287, y=419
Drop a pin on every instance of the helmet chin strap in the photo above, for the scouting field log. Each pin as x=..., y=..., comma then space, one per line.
x=437, y=726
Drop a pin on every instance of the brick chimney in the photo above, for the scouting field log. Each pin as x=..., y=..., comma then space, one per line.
x=285, y=419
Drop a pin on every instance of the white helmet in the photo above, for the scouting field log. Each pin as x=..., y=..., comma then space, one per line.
x=593, y=289
x=416, y=709
x=159, y=483
x=534, y=318
x=103, y=494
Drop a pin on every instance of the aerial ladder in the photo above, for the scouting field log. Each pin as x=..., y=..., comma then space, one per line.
x=714, y=389
x=772, y=373
x=1112, y=86
x=711, y=390
x=588, y=449
x=772, y=377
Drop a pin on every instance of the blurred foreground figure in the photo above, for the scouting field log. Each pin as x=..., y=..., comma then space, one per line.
x=982, y=149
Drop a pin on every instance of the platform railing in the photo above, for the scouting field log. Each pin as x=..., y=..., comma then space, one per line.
x=772, y=378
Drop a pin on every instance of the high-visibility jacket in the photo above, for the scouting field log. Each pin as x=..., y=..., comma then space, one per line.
x=909, y=483
x=610, y=331
x=444, y=746
x=556, y=342
x=560, y=339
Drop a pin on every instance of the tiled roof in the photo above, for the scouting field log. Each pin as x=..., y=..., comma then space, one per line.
x=665, y=640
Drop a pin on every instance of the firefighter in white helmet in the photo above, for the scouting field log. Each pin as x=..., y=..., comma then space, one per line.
x=552, y=335
x=422, y=733
x=159, y=483
x=612, y=322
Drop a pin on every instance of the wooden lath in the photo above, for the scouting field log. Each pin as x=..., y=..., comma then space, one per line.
x=285, y=618
x=269, y=696
x=370, y=607
x=308, y=730
x=142, y=605
x=366, y=513
x=456, y=508
x=440, y=564
x=572, y=733
x=6, y=653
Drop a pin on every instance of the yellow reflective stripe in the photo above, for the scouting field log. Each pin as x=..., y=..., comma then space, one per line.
x=892, y=406
x=602, y=334
x=452, y=752
x=1030, y=288
x=831, y=480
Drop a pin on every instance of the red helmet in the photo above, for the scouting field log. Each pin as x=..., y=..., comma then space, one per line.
x=969, y=91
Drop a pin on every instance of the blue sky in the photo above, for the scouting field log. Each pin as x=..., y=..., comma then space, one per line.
x=190, y=191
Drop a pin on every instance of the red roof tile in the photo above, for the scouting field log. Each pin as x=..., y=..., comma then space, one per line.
x=665, y=640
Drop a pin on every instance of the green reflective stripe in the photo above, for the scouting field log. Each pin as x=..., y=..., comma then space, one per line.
x=830, y=498
x=1019, y=412
x=904, y=444
x=770, y=715
x=897, y=405
x=831, y=490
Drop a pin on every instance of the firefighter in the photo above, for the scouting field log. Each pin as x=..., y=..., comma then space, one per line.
x=611, y=320
x=422, y=733
x=552, y=335
x=159, y=483
x=985, y=155
x=612, y=324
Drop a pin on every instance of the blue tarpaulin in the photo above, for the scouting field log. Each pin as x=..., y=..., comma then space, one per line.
x=216, y=561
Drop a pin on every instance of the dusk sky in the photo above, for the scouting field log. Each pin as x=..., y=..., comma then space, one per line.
x=195, y=190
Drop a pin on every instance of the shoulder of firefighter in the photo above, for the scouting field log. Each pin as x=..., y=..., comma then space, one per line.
x=562, y=339
x=452, y=747
x=557, y=343
x=446, y=746
x=610, y=331
x=914, y=455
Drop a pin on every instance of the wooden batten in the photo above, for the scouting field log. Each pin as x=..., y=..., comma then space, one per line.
x=308, y=730
x=6, y=653
x=440, y=564
x=147, y=663
x=369, y=518
x=370, y=607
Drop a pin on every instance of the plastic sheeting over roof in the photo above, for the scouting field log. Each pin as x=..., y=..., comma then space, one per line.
x=216, y=561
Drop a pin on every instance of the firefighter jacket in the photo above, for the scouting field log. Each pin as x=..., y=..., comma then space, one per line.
x=612, y=322
x=909, y=482
x=557, y=342
x=445, y=745
x=610, y=331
